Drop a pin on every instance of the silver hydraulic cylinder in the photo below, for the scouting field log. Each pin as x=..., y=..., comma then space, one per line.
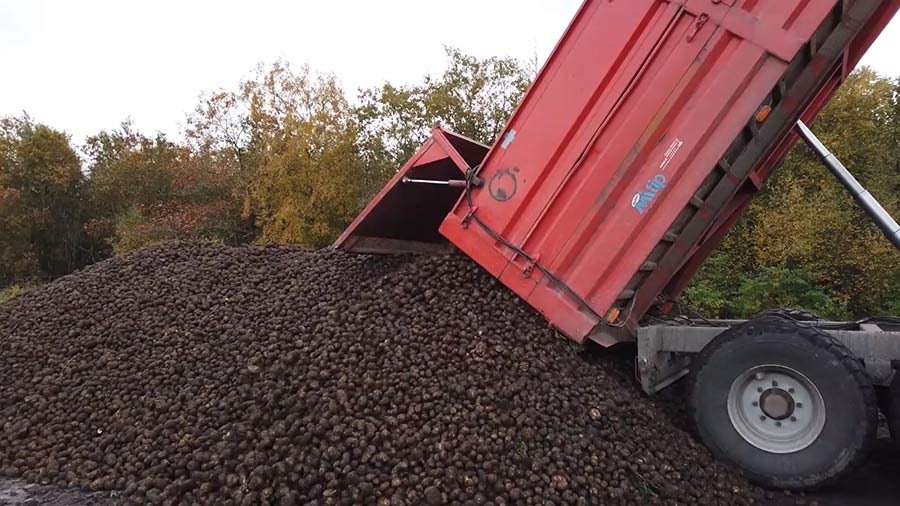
x=865, y=199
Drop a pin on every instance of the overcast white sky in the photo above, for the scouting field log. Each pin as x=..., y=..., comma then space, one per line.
x=85, y=65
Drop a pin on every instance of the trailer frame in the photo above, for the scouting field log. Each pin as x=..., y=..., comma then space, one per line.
x=665, y=351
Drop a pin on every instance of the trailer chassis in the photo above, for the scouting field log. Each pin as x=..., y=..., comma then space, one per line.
x=665, y=351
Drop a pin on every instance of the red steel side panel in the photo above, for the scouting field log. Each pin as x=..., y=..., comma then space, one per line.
x=607, y=162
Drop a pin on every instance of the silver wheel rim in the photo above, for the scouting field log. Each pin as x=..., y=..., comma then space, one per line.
x=776, y=409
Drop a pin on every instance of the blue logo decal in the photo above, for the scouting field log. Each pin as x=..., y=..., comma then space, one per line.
x=643, y=199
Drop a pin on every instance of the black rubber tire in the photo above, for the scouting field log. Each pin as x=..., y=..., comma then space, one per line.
x=800, y=315
x=850, y=402
x=893, y=410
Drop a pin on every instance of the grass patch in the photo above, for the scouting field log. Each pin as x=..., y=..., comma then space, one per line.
x=11, y=292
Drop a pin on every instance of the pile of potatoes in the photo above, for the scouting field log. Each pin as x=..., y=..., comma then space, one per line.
x=191, y=373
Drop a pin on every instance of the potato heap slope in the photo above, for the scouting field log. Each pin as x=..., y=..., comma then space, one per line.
x=194, y=373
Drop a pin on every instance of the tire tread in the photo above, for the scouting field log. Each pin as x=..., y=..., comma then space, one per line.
x=775, y=322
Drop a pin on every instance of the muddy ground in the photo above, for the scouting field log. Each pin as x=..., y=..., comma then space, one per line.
x=20, y=493
x=875, y=485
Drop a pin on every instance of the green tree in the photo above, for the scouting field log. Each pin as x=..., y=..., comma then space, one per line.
x=145, y=190
x=806, y=232
x=222, y=127
x=293, y=140
x=307, y=184
x=129, y=169
x=473, y=97
x=41, y=186
x=18, y=260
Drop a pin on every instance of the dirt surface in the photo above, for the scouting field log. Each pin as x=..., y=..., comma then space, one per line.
x=876, y=484
x=20, y=493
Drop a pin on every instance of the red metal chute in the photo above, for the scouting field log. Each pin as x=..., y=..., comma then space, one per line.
x=405, y=218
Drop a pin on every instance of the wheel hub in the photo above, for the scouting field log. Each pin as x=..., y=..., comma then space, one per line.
x=777, y=404
x=776, y=409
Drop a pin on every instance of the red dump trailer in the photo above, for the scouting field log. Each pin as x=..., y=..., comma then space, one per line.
x=640, y=144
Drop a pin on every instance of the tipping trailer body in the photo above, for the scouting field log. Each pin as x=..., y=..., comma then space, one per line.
x=640, y=144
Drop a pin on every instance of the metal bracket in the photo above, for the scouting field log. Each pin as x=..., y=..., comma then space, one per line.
x=701, y=21
x=529, y=268
x=655, y=367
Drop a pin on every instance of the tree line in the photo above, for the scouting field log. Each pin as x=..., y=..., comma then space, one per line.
x=285, y=157
x=288, y=157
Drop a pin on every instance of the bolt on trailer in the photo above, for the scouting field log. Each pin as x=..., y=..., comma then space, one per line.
x=647, y=133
